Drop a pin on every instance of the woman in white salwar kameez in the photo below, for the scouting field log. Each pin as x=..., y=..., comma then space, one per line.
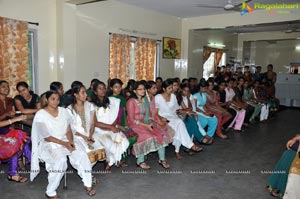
x=167, y=106
x=292, y=190
x=107, y=132
x=52, y=142
x=82, y=122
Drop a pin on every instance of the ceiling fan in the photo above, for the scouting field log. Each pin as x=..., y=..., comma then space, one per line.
x=229, y=6
x=82, y=2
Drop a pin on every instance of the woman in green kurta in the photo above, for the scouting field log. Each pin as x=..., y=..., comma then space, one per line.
x=116, y=88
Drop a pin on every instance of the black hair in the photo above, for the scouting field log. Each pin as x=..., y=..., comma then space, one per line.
x=144, y=82
x=94, y=80
x=179, y=96
x=159, y=78
x=149, y=84
x=246, y=66
x=76, y=83
x=115, y=81
x=105, y=102
x=192, y=79
x=130, y=84
x=3, y=81
x=184, y=79
x=136, y=85
x=271, y=65
x=168, y=82
x=202, y=83
x=24, y=84
x=211, y=80
x=49, y=93
x=55, y=86
x=221, y=82
x=75, y=90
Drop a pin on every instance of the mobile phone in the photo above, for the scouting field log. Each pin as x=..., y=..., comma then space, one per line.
x=18, y=113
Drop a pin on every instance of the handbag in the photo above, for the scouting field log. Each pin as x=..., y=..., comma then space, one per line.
x=96, y=155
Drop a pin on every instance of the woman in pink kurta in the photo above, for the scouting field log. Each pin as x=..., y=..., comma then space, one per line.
x=150, y=137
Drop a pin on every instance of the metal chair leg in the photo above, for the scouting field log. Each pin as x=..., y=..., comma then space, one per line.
x=65, y=181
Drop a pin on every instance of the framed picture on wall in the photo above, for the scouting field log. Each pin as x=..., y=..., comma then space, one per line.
x=171, y=48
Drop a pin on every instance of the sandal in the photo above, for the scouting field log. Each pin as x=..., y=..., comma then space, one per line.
x=122, y=164
x=178, y=156
x=107, y=167
x=275, y=194
x=52, y=197
x=196, y=148
x=164, y=164
x=17, y=178
x=90, y=191
x=143, y=165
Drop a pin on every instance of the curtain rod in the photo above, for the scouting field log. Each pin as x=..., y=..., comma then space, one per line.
x=33, y=23
x=133, y=36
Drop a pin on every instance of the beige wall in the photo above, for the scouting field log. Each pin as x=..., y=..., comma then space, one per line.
x=280, y=53
x=80, y=34
x=43, y=12
x=94, y=22
x=221, y=21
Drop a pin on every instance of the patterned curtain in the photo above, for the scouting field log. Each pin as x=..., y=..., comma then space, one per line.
x=119, y=57
x=145, y=51
x=14, y=52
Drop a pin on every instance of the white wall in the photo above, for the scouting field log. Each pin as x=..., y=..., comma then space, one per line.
x=43, y=12
x=199, y=39
x=280, y=53
x=221, y=21
x=89, y=49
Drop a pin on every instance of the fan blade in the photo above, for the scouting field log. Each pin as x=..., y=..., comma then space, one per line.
x=238, y=5
x=209, y=6
x=90, y=2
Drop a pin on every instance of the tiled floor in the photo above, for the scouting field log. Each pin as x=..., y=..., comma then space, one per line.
x=230, y=169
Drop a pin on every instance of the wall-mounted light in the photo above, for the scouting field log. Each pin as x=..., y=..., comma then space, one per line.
x=61, y=61
x=297, y=48
x=51, y=61
x=217, y=45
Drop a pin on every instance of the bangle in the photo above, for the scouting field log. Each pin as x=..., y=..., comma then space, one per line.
x=9, y=121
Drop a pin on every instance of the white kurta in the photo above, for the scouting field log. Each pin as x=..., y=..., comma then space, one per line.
x=77, y=127
x=168, y=110
x=115, y=144
x=55, y=155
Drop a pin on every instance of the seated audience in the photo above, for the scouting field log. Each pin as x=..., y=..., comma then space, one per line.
x=167, y=106
x=205, y=117
x=151, y=137
x=27, y=102
x=212, y=104
x=52, y=143
x=107, y=130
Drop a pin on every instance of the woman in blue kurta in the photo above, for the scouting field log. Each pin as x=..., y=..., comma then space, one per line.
x=206, y=118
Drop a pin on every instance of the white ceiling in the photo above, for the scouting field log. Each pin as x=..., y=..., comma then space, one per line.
x=189, y=8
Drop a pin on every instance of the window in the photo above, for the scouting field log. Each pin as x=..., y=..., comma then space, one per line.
x=133, y=57
x=209, y=65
